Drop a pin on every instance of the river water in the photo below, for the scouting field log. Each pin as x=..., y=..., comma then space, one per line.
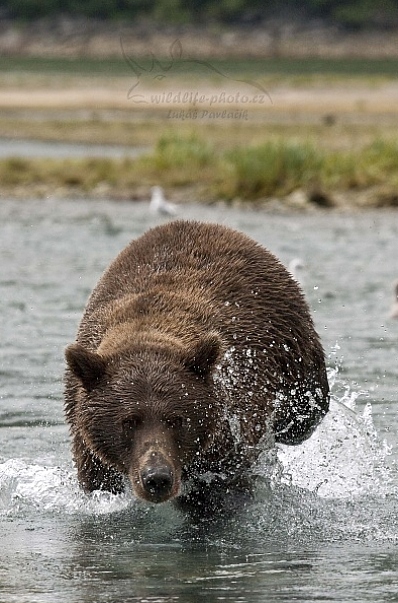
x=323, y=525
x=63, y=150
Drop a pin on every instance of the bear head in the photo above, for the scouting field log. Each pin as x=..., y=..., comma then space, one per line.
x=148, y=411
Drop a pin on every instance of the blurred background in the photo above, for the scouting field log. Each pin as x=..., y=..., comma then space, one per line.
x=277, y=104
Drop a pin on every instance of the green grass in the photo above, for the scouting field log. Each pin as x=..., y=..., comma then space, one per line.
x=118, y=66
x=181, y=160
x=56, y=66
x=274, y=168
x=269, y=169
x=280, y=167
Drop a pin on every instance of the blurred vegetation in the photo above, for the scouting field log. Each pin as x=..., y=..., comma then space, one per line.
x=274, y=168
x=348, y=13
x=274, y=70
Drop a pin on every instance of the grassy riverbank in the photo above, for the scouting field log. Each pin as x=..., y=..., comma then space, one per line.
x=275, y=169
x=322, y=135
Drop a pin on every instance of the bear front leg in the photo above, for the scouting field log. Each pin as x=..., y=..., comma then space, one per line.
x=92, y=473
x=216, y=498
x=297, y=417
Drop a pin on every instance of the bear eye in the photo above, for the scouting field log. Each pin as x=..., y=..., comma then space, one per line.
x=174, y=422
x=131, y=423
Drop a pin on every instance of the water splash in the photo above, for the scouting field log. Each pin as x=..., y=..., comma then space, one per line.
x=344, y=458
x=26, y=486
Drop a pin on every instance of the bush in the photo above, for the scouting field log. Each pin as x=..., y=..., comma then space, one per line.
x=269, y=169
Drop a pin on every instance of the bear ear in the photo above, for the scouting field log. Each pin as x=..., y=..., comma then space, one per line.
x=205, y=353
x=87, y=366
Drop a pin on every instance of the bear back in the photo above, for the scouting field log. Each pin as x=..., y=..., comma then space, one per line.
x=183, y=280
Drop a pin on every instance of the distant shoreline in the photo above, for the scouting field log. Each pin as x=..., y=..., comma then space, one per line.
x=83, y=38
x=200, y=118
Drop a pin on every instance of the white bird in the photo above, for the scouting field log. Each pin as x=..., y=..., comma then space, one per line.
x=158, y=203
x=295, y=266
x=394, y=307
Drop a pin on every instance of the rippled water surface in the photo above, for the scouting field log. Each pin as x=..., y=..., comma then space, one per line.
x=37, y=149
x=324, y=524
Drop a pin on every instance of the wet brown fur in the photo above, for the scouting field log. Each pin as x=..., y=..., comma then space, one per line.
x=192, y=330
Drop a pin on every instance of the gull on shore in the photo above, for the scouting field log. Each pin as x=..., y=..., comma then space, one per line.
x=159, y=204
x=295, y=267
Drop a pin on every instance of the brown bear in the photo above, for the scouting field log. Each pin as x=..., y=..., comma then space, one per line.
x=196, y=346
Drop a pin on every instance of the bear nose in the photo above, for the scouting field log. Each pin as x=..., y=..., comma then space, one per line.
x=157, y=482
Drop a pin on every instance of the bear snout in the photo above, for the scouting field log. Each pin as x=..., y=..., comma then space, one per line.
x=157, y=482
x=157, y=478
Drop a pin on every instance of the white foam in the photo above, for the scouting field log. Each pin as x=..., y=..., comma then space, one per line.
x=24, y=486
x=344, y=457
